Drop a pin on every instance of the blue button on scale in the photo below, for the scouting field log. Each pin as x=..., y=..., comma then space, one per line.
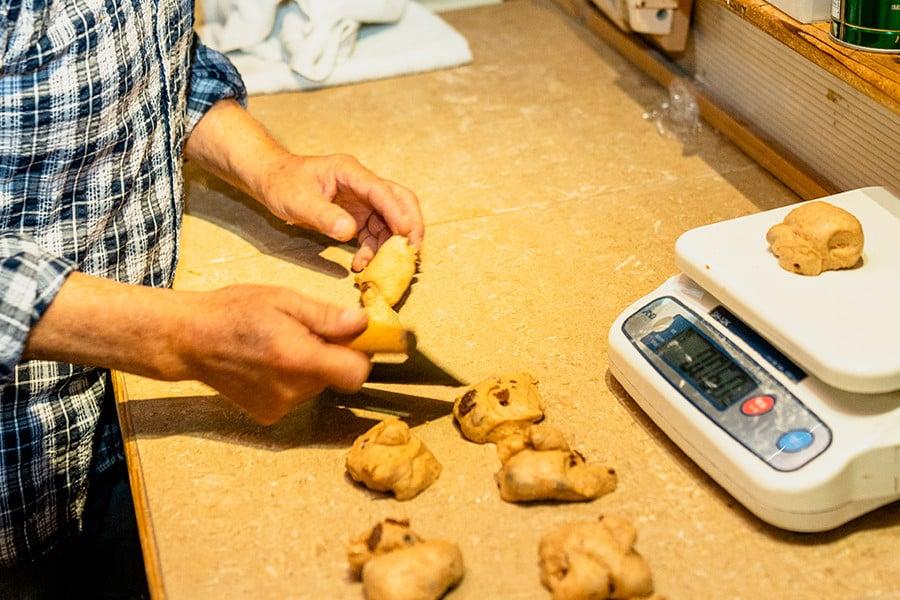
x=795, y=441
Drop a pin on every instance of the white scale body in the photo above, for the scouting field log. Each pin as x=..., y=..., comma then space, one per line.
x=731, y=360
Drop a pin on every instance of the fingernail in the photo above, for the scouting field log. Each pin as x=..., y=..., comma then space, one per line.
x=342, y=227
x=352, y=315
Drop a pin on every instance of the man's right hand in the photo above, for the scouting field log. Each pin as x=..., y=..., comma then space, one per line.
x=266, y=349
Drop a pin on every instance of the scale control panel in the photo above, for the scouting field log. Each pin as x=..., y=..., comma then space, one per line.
x=726, y=384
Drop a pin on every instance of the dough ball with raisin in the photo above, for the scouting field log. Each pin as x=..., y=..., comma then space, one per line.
x=498, y=407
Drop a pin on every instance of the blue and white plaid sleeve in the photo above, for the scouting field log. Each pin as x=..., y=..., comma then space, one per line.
x=30, y=278
x=213, y=78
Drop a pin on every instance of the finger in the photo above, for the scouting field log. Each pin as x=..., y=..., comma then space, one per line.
x=332, y=220
x=376, y=225
x=368, y=245
x=339, y=366
x=411, y=205
x=383, y=237
x=325, y=320
x=394, y=209
x=369, y=241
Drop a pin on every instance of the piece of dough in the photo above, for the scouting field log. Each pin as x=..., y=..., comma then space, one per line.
x=384, y=333
x=534, y=437
x=389, y=273
x=817, y=237
x=498, y=407
x=593, y=561
x=539, y=465
x=396, y=564
x=386, y=536
x=389, y=457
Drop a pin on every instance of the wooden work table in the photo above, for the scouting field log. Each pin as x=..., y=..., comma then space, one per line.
x=550, y=206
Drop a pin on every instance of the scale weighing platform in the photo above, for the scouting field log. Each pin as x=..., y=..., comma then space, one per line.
x=784, y=388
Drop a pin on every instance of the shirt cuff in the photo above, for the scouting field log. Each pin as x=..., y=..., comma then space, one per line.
x=30, y=278
x=213, y=78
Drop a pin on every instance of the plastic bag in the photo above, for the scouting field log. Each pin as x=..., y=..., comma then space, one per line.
x=679, y=115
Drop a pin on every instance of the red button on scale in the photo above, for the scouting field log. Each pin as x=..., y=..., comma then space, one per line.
x=757, y=405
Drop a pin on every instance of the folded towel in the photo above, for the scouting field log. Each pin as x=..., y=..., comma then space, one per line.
x=313, y=33
x=280, y=45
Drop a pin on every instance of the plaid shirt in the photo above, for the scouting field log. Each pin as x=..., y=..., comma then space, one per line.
x=96, y=99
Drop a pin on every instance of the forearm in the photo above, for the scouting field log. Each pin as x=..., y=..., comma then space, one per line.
x=97, y=322
x=235, y=147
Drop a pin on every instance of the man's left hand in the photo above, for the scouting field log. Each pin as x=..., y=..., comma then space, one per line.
x=337, y=196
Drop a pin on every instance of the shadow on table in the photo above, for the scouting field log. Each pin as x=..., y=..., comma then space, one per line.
x=216, y=202
x=330, y=420
x=884, y=517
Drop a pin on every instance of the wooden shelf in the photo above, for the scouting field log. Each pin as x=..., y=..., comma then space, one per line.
x=876, y=75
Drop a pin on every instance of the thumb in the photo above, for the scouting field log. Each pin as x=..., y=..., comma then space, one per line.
x=332, y=220
x=327, y=320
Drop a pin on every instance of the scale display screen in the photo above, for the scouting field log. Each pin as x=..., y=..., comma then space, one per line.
x=703, y=365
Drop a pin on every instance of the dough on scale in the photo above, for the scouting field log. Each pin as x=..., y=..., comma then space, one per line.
x=817, y=237
x=539, y=465
x=389, y=457
x=397, y=564
x=594, y=560
x=498, y=407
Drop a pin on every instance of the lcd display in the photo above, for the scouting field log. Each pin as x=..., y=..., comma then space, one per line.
x=706, y=368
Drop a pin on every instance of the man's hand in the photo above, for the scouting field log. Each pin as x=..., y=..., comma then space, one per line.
x=334, y=195
x=337, y=196
x=266, y=349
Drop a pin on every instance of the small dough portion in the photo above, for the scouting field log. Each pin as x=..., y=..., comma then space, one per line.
x=536, y=437
x=594, y=561
x=498, y=407
x=539, y=465
x=384, y=537
x=817, y=237
x=389, y=457
x=389, y=273
x=397, y=564
x=384, y=333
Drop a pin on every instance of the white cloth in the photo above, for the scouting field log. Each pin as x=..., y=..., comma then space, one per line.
x=283, y=45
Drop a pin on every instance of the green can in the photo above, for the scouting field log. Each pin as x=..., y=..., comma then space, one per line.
x=872, y=25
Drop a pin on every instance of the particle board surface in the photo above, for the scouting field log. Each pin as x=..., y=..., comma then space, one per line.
x=550, y=206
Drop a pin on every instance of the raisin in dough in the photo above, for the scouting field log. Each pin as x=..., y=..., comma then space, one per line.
x=498, y=407
x=396, y=564
x=386, y=536
x=593, y=561
x=539, y=465
x=389, y=273
x=817, y=237
x=389, y=457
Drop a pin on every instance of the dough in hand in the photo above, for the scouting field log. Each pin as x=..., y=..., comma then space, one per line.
x=593, y=561
x=817, y=237
x=384, y=333
x=389, y=457
x=396, y=564
x=539, y=465
x=498, y=407
x=389, y=273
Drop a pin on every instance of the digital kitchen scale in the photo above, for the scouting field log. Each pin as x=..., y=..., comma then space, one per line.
x=784, y=388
